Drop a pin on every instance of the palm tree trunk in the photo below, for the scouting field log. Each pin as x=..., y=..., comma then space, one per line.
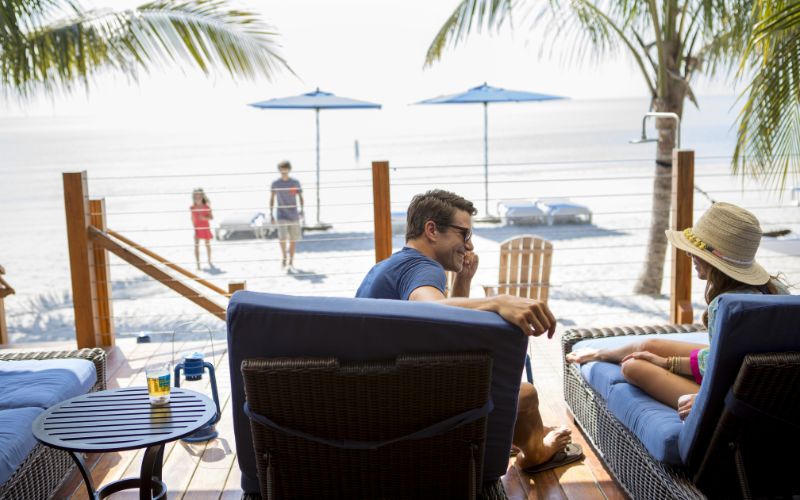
x=652, y=274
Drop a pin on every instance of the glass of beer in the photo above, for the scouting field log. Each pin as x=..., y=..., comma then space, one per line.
x=158, y=376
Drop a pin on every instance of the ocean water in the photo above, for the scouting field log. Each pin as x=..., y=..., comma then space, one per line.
x=146, y=168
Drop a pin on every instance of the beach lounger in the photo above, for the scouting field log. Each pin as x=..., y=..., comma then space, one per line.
x=564, y=210
x=520, y=212
x=253, y=224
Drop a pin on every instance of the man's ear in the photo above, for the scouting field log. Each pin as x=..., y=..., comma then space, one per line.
x=431, y=232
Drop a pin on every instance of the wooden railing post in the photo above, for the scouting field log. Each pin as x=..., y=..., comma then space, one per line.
x=102, y=272
x=235, y=286
x=81, y=259
x=682, y=207
x=382, y=210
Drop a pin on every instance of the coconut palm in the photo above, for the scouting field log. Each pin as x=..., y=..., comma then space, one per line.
x=54, y=45
x=669, y=40
x=769, y=125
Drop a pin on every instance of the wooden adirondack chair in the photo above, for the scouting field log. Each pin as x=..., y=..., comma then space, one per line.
x=524, y=268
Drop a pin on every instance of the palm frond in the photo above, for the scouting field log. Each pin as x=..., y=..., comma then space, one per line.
x=768, y=139
x=202, y=34
x=468, y=15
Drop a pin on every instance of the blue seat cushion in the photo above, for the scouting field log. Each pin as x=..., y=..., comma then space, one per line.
x=43, y=383
x=656, y=425
x=16, y=439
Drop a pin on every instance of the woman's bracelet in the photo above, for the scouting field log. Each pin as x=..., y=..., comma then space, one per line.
x=673, y=364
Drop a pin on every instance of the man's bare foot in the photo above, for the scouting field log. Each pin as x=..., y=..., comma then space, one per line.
x=555, y=439
x=586, y=355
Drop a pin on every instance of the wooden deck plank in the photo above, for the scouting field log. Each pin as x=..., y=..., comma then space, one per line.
x=181, y=465
x=219, y=456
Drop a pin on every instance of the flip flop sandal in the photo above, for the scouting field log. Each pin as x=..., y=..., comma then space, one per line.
x=571, y=453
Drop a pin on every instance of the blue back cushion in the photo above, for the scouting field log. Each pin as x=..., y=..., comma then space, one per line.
x=268, y=325
x=745, y=323
x=43, y=383
x=16, y=438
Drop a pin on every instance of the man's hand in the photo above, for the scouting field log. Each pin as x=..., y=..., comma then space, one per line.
x=469, y=268
x=685, y=404
x=647, y=356
x=531, y=316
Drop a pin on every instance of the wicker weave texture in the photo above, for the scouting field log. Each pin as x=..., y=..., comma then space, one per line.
x=44, y=469
x=639, y=474
x=372, y=401
x=768, y=446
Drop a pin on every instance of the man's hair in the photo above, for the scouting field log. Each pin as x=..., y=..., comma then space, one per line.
x=437, y=205
x=284, y=164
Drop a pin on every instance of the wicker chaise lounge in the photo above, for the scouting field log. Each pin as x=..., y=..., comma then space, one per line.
x=743, y=434
x=44, y=468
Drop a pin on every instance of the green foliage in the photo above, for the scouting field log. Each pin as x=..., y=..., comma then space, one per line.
x=49, y=45
x=768, y=142
x=669, y=40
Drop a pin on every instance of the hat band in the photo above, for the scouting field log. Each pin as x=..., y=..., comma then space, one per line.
x=694, y=240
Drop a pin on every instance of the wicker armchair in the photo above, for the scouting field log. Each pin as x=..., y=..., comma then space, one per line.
x=46, y=468
x=743, y=435
x=414, y=428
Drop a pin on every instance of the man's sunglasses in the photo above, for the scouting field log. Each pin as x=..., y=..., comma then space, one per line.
x=466, y=232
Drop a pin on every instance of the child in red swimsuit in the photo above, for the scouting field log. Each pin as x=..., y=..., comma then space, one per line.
x=201, y=217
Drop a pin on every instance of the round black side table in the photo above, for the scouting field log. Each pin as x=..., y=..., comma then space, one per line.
x=123, y=419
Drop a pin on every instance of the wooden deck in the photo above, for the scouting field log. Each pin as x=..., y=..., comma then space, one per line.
x=209, y=470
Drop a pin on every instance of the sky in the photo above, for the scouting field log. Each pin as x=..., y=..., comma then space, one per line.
x=367, y=49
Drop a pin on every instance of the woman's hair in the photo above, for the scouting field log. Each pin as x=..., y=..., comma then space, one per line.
x=719, y=283
x=202, y=194
x=437, y=205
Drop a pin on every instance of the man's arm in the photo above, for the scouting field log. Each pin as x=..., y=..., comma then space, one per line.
x=531, y=316
x=302, y=203
x=272, y=205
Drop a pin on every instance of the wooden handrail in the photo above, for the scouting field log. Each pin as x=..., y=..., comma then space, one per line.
x=101, y=238
x=162, y=260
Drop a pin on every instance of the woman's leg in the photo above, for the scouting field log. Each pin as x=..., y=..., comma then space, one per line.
x=208, y=252
x=197, y=252
x=660, y=347
x=661, y=384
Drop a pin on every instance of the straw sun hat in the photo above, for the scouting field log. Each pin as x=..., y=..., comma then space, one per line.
x=727, y=238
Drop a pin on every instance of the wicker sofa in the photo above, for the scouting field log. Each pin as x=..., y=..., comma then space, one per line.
x=44, y=468
x=727, y=447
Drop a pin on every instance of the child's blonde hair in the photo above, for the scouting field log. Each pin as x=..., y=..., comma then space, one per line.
x=202, y=194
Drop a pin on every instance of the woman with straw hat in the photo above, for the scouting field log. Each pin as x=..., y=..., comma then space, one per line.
x=723, y=246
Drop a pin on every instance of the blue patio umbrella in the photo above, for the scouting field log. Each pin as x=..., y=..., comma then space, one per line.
x=485, y=94
x=315, y=100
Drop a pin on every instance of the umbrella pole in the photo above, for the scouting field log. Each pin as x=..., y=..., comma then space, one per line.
x=317, y=187
x=486, y=158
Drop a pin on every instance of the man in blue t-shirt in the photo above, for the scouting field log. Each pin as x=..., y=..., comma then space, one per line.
x=439, y=238
x=288, y=192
